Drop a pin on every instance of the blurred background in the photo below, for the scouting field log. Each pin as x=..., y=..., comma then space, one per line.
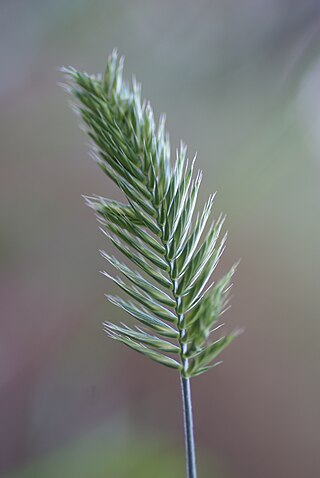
x=239, y=81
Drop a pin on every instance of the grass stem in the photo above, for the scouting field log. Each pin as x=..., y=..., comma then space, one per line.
x=188, y=428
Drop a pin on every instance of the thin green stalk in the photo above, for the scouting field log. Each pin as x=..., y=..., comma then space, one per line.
x=188, y=428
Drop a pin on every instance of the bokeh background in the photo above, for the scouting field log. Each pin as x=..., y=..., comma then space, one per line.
x=239, y=81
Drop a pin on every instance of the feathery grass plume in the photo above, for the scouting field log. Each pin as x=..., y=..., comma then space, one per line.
x=172, y=252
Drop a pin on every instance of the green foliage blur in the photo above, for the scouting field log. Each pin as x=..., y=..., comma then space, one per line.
x=239, y=83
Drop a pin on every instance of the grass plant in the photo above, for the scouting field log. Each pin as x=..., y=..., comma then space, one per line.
x=169, y=249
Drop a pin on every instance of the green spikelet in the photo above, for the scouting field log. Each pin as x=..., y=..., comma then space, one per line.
x=172, y=251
